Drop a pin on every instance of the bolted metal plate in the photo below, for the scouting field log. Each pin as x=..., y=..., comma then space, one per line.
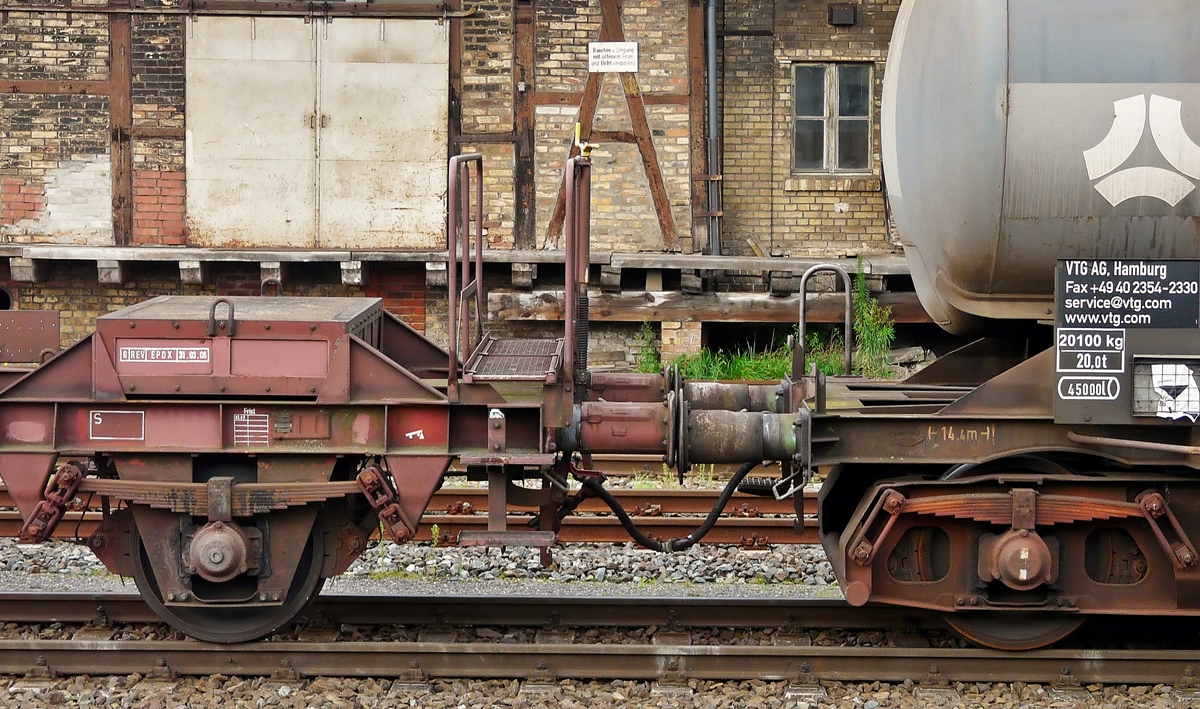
x=28, y=335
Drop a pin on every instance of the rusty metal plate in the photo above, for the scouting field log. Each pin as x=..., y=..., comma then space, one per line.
x=28, y=335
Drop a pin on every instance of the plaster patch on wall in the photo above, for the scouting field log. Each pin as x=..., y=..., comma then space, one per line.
x=78, y=205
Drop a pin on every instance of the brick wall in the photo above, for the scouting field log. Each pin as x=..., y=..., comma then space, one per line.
x=487, y=60
x=749, y=184
x=498, y=193
x=797, y=214
x=159, y=186
x=680, y=338
x=54, y=147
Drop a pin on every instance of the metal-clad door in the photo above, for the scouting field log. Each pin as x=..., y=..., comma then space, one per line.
x=251, y=137
x=383, y=104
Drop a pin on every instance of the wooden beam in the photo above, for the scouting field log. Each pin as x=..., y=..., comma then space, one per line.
x=611, y=30
x=613, y=136
x=485, y=138
x=666, y=99
x=611, y=13
x=120, y=123
x=645, y=143
x=637, y=306
x=573, y=98
x=454, y=137
x=524, y=164
x=139, y=132
x=557, y=98
x=43, y=86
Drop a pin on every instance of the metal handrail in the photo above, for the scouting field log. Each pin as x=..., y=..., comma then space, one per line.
x=798, y=352
x=459, y=218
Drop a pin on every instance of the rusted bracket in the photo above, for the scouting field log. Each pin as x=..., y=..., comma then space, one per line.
x=378, y=489
x=568, y=506
x=865, y=546
x=1180, y=548
x=60, y=491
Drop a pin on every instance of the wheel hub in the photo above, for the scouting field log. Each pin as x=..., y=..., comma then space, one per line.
x=230, y=610
x=1019, y=558
x=222, y=550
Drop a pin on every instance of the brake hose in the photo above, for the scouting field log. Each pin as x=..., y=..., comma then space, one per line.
x=597, y=489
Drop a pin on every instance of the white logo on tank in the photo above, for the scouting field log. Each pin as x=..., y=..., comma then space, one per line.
x=1129, y=123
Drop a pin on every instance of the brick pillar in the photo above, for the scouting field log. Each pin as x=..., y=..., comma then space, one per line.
x=679, y=338
x=158, y=208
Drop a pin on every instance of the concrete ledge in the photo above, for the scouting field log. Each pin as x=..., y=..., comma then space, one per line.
x=880, y=264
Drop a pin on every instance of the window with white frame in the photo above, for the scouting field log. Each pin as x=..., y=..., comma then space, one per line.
x=831, y=118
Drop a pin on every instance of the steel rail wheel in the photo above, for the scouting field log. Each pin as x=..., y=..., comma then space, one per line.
x=1017, y=630
x=235, y=624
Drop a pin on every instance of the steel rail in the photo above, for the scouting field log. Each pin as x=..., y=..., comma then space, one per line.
x=548, y=662
x=516, y=611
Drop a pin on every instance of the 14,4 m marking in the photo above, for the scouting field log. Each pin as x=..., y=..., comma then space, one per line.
x=962, y=434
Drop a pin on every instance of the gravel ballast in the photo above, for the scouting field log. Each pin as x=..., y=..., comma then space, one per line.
x=353, y=693
x=579, y=569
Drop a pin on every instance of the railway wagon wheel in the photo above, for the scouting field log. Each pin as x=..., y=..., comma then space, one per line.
x=920, y=556
x=1015, y=630
x=923, y=554
x=234, y=624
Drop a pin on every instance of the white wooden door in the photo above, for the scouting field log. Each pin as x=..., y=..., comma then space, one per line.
x=384, y=95
x=251, y=134
x=327, y=134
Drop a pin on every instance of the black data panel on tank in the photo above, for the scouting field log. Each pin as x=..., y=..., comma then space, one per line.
x=1116, y=293
x=1127, y=341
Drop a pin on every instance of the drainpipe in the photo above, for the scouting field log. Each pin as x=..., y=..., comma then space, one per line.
x=714, y=134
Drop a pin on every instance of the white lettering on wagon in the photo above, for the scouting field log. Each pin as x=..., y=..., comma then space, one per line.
x=164, y=354
x=251, y=428
x=117, y=425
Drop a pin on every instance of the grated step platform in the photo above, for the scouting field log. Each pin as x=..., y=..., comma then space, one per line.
x=515, y=360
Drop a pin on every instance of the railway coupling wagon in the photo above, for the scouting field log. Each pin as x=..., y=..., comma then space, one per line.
x=1043, y=181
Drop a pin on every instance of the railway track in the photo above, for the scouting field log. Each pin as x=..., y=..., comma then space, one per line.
x=666, y=514
x=545, y=662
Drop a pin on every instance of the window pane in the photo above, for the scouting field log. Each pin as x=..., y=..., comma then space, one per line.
x=810, y=91
x=853, y=145
x=854, y=90
x=809, y=145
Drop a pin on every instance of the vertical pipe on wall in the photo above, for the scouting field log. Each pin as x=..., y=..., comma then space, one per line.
x=714, y=133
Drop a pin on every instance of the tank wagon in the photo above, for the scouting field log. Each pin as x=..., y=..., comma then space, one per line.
x=1043, y=182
